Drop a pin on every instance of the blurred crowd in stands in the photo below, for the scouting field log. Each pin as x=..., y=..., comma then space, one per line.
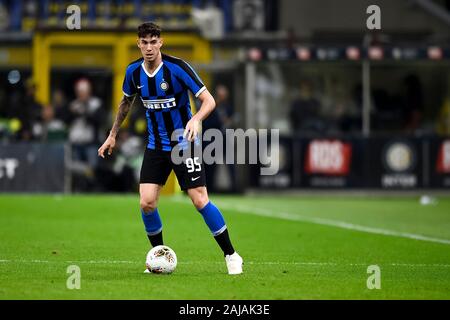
x=81, y=122
x=340, y=112
x=28, y=15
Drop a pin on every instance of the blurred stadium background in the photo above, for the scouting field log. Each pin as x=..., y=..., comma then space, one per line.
x=357, y=109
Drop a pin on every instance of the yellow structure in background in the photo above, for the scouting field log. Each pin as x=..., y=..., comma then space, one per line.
x=107, y=50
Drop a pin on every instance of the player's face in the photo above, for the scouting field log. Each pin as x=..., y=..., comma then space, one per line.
x=150, y=47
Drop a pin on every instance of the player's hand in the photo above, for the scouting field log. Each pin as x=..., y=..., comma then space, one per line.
x=192, y=129
x=109, y=145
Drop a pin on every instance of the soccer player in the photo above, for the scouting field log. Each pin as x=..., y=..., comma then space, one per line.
x=162, y=83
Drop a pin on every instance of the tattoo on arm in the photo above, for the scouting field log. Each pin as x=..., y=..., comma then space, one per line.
x=124, y=107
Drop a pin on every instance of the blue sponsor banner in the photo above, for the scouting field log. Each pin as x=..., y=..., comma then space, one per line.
x=378, y=162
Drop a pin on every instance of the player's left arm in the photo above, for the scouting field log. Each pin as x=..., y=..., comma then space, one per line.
x=207, y=106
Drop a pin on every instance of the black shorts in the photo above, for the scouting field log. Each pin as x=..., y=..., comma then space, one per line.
x=157, y=166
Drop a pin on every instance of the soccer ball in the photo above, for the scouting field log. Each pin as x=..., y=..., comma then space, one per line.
x=161, y=259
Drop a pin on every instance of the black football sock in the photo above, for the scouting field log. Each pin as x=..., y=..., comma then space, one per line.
x=224, y=242
x=156, y=239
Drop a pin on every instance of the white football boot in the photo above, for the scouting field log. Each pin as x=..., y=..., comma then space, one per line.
x=234, y=263
x=147, y=271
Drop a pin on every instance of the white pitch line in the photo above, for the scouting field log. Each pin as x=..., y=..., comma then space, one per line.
x=305, y=263
x=327, y=222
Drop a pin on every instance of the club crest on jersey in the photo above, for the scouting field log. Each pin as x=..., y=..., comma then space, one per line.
x=164, y=86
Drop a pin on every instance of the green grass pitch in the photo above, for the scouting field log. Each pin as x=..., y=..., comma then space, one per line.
x=294, y=247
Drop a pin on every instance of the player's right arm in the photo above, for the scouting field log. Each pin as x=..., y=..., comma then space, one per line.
x=110, y=142
x=129, y=95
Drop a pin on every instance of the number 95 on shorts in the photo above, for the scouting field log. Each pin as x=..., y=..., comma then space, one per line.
x=157, y=165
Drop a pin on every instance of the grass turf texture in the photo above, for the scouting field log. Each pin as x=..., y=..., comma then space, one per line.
x=284, y=259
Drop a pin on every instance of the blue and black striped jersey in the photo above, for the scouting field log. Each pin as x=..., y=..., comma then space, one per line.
x=164, y=94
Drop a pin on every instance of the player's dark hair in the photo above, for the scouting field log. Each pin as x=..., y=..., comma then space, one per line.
x=149, y=28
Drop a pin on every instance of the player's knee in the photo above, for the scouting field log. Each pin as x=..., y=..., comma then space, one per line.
x=149, y=205
x=200, y=200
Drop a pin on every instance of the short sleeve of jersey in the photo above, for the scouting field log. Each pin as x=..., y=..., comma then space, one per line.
x=128, y=87
x=191, y=79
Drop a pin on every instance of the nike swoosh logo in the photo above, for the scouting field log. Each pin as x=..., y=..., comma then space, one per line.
x=193, y=179
x=139, y=87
